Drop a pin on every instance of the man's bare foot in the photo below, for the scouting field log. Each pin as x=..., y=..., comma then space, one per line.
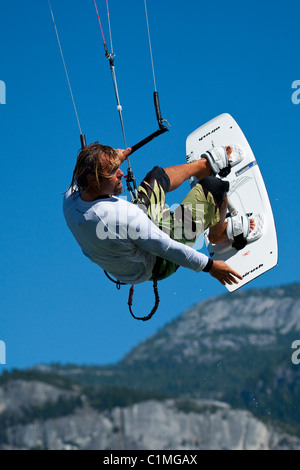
x=252, y=224
x=204, y=165
x=221, y=236
x=228, y=151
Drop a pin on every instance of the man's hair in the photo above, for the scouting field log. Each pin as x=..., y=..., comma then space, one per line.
x=99, y=161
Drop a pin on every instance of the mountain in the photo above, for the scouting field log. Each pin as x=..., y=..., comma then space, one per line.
x=219, y=376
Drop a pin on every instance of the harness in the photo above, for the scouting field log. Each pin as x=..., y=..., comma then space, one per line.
x=130, y=297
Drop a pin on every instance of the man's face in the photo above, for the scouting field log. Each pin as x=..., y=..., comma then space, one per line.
x=115, y=182
x=113, y=185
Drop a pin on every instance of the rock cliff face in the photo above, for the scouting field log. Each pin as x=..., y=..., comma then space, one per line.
x=17, y=395
x=227, y=362
x=152, y=425
x=225, y=324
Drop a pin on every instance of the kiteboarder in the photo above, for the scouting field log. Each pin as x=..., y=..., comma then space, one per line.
x=146, y=240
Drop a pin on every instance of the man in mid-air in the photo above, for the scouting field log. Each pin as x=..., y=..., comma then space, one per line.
x=146, y=241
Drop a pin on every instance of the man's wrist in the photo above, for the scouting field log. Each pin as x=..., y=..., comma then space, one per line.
x=208, y=265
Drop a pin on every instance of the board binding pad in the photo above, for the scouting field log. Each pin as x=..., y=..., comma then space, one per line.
x=247, y=194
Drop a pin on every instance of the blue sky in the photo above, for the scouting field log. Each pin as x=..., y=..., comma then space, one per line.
x=210, y=58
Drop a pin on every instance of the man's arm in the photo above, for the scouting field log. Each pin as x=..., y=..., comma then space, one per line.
x=151, y=238
x=219, y=269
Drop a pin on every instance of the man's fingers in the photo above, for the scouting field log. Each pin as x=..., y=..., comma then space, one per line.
x=123, y=153
x=237, y=275
x=224, y=273
x=232, y=280
x=127, y=152
x=232, y=277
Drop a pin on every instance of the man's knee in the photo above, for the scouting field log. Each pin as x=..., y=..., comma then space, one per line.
x=217, y=187
x=158, y=174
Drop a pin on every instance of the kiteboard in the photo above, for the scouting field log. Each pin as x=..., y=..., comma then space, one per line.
x=247, y=195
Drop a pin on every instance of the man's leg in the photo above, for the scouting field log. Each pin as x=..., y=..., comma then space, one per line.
x=212, y=194
x=180, y=173
x=205, y=206
x=217, y=233
x=199, y=168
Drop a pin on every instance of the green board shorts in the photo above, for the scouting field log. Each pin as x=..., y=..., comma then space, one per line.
x=198, y=211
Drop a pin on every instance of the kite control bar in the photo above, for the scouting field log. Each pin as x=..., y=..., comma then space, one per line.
x=161, y=130
x=130, y=179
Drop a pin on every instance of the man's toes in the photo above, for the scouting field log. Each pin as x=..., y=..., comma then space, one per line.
x=252, y=224
x=228, y=150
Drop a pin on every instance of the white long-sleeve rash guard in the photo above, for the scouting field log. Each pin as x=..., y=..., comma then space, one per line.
x=119, y=237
